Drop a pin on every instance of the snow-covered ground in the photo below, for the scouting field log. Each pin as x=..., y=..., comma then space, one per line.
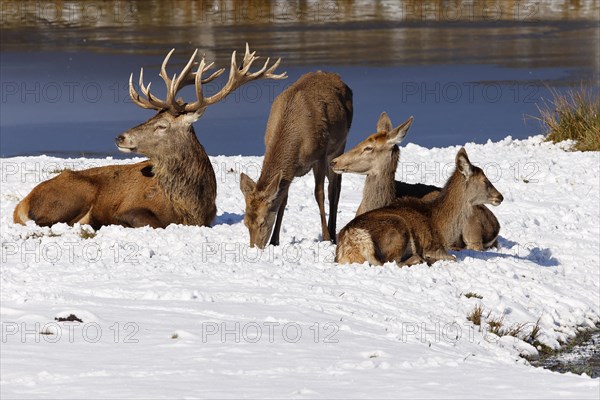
x=193, y=312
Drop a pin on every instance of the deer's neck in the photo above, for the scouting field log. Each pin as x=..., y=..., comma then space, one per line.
x=280, y=157
x=451, y=209
x=380, y=188
x=188, y=179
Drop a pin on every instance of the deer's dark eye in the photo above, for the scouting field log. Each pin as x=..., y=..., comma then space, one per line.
x=368, y=149
x=162, y=126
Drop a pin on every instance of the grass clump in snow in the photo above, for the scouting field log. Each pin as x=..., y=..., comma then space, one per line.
x=496, y=324
x=475, y=315
x=574, y=115
x=535, y=332
x=470, y=295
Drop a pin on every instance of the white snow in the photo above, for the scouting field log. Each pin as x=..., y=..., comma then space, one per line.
x=193, y=312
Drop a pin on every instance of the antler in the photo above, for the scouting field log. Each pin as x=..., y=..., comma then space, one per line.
x=237, y=77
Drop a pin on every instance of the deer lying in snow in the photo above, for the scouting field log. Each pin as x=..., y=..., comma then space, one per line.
x=413, y=231
x=377, y=158
x=307, y=128
x=176, y=185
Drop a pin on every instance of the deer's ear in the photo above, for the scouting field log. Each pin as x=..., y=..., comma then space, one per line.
x=384, y=124
x=191, y=117
x=247, y=185
x=398, y=134
x=273, y=188
x=463, y=164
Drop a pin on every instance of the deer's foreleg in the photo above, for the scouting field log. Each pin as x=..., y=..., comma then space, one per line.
x=277, y=228
x=334, y=189
x=319, y=172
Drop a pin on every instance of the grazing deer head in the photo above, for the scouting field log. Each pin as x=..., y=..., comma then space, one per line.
x=261, y=208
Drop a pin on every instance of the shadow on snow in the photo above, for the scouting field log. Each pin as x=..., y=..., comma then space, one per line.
x=528, y=252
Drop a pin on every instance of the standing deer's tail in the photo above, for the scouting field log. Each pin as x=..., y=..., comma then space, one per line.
x=355, y=246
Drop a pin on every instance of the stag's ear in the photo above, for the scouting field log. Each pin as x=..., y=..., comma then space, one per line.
x=463, y=164
x=398, y=134
x=191, y=117
x=247, y=185
x=384, y=124
x=273, y=188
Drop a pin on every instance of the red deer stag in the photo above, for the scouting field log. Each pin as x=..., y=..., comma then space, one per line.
x=176, y=185
x=377, y=158
x=307, y=128
x=413, y=231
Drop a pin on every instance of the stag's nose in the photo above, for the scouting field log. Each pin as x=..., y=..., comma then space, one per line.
x=333, y=163
x=119, y=139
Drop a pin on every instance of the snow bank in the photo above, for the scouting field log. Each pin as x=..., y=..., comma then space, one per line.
x=193, y=312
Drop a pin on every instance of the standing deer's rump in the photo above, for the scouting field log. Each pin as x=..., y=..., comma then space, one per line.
x=412, y=231
x=377, y=158
x=176, y=185
x=307, y=128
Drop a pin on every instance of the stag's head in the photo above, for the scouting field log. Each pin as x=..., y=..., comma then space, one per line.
x=372, y=155
x=172, y=125
x=478, y=188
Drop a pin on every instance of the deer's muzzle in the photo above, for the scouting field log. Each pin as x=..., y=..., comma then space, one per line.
x=496, y=200
x=335, y=167
x=124, y=145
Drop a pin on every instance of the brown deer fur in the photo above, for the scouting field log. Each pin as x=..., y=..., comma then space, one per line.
x=412, y=230
x=307, y=128
x=377, y=158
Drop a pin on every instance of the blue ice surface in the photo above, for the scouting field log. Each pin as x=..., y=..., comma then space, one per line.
x=75, y=104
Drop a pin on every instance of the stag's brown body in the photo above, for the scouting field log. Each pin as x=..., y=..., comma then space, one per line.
x=377, y=157
x=154, y=193
x=307, y=128
x=411, y=231
x=176, y=185
x=96, y=196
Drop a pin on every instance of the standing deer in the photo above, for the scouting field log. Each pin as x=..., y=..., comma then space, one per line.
x=307, y=128
x=377, y=158
x=176, y=185
x=413, y=230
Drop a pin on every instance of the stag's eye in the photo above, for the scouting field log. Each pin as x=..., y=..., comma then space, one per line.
x=161, y=126
x=368, y=149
